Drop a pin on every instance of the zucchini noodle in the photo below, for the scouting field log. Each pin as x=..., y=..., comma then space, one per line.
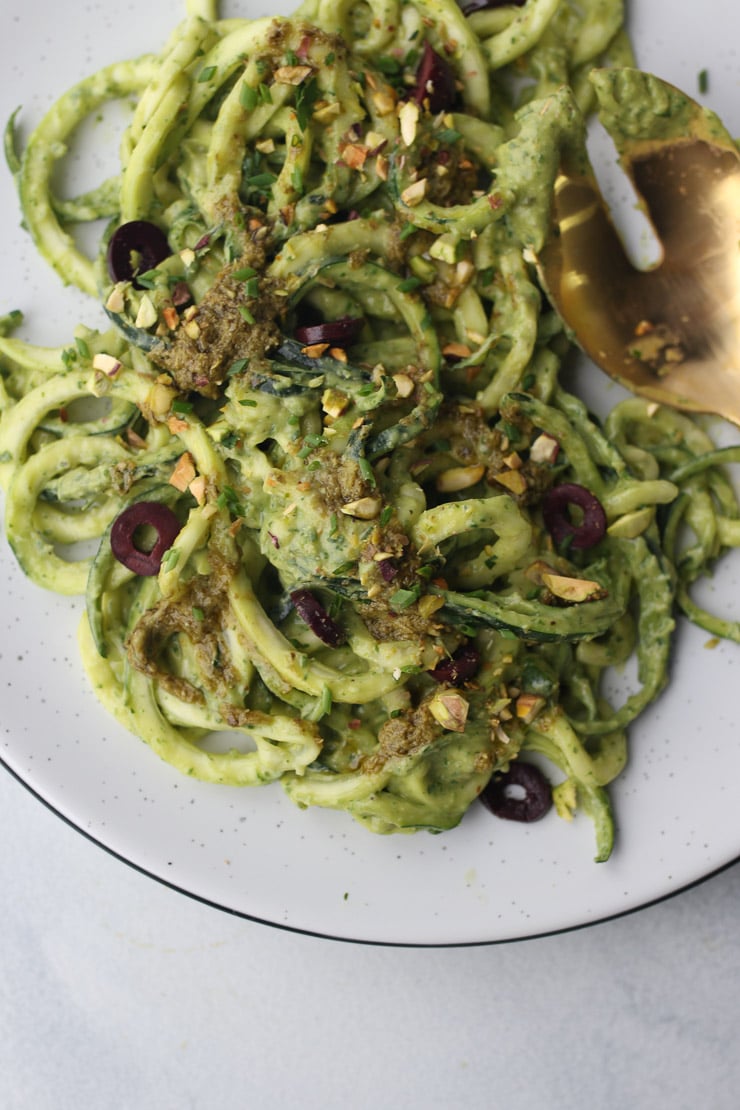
x=344, y=381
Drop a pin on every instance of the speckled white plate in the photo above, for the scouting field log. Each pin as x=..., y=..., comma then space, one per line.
x=250, y=851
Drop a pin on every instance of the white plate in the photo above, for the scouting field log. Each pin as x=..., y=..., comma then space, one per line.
x=250, y=851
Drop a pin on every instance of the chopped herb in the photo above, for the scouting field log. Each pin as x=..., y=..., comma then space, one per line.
x=244, y=274
x=170, y=559
x=252, y=287
x=409, y=229
x=248, y=97
x=230, y=439
x=82, y=347
x=248, y=403
x=305, y=97
x=703, y=80
x=237, y=367
x=198, y=613
x=329, y=59
x=182, y=406
x=333, y=524
x=246, y=314
x=206, y=74
x=402, y=599
x=408, y=284
x=265, y=96
x=367, y=472
x=449, y=135
x=149, y=279
x=297, y=179
x=388, y=65
x=261, y=180
x=229, y=499
x=386, y=515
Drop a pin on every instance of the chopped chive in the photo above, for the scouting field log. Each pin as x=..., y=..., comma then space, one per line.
x=206, y=74
x=249, y=404
x=402, y=599
x=244, y=274
x=170, y=558
x=248, y=97
x=449, y=135
x=246, y=314
x=367, y=472
x=408, y=284
x=409, y=229
x=198, y=613
x=182, y=406
x=703, y=80
x=237, y=367
x=386, y=515
x=82, y=347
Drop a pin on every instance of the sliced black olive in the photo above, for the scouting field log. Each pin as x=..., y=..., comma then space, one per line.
x=310, y=610
x=520, y=794
x=435, y=81
x=134, y=248
x=123, y=536
x=342, y=332
x=459, y=668
x=555, y=512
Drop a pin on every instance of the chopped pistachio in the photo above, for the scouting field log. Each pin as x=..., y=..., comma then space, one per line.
x=459, y=477
x=365, y=508
x=450, y=709
x=573, y=589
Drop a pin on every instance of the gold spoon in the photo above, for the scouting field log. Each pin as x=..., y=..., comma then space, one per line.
x=670, y=333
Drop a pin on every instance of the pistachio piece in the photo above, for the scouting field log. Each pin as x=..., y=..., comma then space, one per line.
x=365, y=508
x=450, y=709
x=573, y=589
x=459, y=477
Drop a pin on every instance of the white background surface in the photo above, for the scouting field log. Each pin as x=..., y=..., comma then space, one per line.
x=116, y=992
x=119, y=994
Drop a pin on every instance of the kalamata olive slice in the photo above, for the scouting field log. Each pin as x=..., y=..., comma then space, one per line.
x=388, y=569
x=134, y=248
x=555, y=511
x=123, y=536
x=520, y=794
x=435, y=81
x=310, y=610
x=342, y=332
x=463, y=665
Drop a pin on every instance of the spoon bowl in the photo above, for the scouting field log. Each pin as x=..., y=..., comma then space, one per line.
x=670, y=333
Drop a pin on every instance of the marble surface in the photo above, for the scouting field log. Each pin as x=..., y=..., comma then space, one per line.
x=120, y=994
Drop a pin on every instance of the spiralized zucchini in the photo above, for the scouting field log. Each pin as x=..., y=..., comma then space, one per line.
x=396, y=474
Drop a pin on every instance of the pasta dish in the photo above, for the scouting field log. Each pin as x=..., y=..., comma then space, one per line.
x=336, y=519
